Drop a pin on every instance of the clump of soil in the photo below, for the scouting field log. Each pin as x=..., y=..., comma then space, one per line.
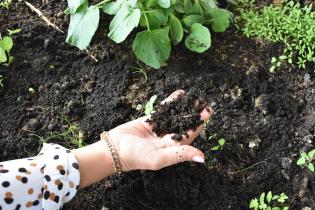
x=179, y=115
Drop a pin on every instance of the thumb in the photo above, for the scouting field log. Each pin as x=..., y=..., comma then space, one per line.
x=177, y=154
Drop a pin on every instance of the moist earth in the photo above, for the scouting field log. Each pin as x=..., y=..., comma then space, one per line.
x=266, y=119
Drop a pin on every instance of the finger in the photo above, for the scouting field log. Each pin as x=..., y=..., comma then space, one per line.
x=173, y=96
x=173, y=155
x=192, y=134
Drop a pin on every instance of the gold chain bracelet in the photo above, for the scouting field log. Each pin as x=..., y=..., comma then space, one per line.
x=117, y=165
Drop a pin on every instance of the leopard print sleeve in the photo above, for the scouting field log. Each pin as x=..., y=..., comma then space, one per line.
x=43, y=182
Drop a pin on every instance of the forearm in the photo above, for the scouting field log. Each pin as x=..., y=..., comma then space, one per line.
x=95, y=163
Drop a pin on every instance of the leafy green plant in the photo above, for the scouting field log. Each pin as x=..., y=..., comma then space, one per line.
x=306, y=160
x=150, y=105
x=269, y=202
x=220, y=145
x=6, y=45
x=162, y=21
x=290, y=24
x=5, y=3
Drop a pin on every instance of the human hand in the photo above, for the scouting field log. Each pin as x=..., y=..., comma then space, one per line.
x=139, y=148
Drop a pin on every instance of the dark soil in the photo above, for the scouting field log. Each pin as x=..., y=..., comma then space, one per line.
x=178, y=116
x=274, y=112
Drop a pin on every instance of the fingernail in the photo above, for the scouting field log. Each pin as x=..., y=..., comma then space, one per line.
x=198, y=159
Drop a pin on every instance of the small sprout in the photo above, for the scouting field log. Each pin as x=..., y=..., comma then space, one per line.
x=306, y=160
x=149, y=105
x=139, y=107
x=269, y=202
x=31, y=90
x=220, y=145
x=51, y=66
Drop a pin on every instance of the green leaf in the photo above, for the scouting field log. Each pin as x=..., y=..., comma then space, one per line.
x=208, y=4
x=285, y=208
x=276, y=208
x=197, y=8
x=222, y=141
x=269, y=196
x=149, y=106
x=253, y=203
x=215, y=148
x=164, y=3
x=176, y=29
x=301, y=161
x=189, y=20
x=156, y=18
x=152, y=47
x=188, y=6
x=123, y=23
x=311, y=154
x=82, y=27
x=111, y=8
x=3, y=56
x=310, y=166
x=199, y=40
x=262, y=198
x=6, y=43
x=76, y=5
x=179, y=7
x=220, y=19
x=12, y=32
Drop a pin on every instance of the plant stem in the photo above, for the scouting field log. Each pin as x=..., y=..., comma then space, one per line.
x=148, y=11
x=147, y=21
x=100, y=4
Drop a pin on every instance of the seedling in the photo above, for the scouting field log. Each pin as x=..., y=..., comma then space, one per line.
x=306, y=160
x=269, y=202
x=290, y=24
x=6, y=45
x=149, y=106
x=5, y=3
x=31, y=90
x=162, y=21
x=220, y=145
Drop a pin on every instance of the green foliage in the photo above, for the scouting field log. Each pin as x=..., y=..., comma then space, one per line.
x=220, y=145
x=162, y=21
x=6, y=44
x=306, y=160
x=291, y=24
x=269, y=202
x=149, y=106
x=5, y=3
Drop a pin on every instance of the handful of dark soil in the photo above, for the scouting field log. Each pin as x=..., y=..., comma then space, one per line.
x=178, y=116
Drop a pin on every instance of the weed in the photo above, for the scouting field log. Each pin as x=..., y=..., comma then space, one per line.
x=269, y=202
x=290, y=24
x=163, y=21
x=220, y=145
x=306, y=160
x=5, y=3
x=6, y=44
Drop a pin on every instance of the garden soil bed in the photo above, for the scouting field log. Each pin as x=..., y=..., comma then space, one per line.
x=274, y=111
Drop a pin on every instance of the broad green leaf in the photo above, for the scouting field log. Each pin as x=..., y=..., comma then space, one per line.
x=311, y=154
x=208, y=4
x=285, y=208
x=215, y=148
x=152, y=47
x=310, y=166
x=176, y=29
x=269, y=196
x=82, y=27
x=188, y=6
x=3, y=56
x=220, y=19
x=151, y=3
x=111, y=8
x=197, y=10
x=276, y=208
x=164, y=3
x=189, y=20
x=156, y=18
x=275, y=197
x=221, y=142
x=303, y=154
x=199, y=40
x=253, y=203
x=76, y=5
x=301, y=161
x=179, y=7
x=123, y=23
x=6, y=43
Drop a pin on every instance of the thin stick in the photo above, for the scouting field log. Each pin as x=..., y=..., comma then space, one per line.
x=44, y=18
